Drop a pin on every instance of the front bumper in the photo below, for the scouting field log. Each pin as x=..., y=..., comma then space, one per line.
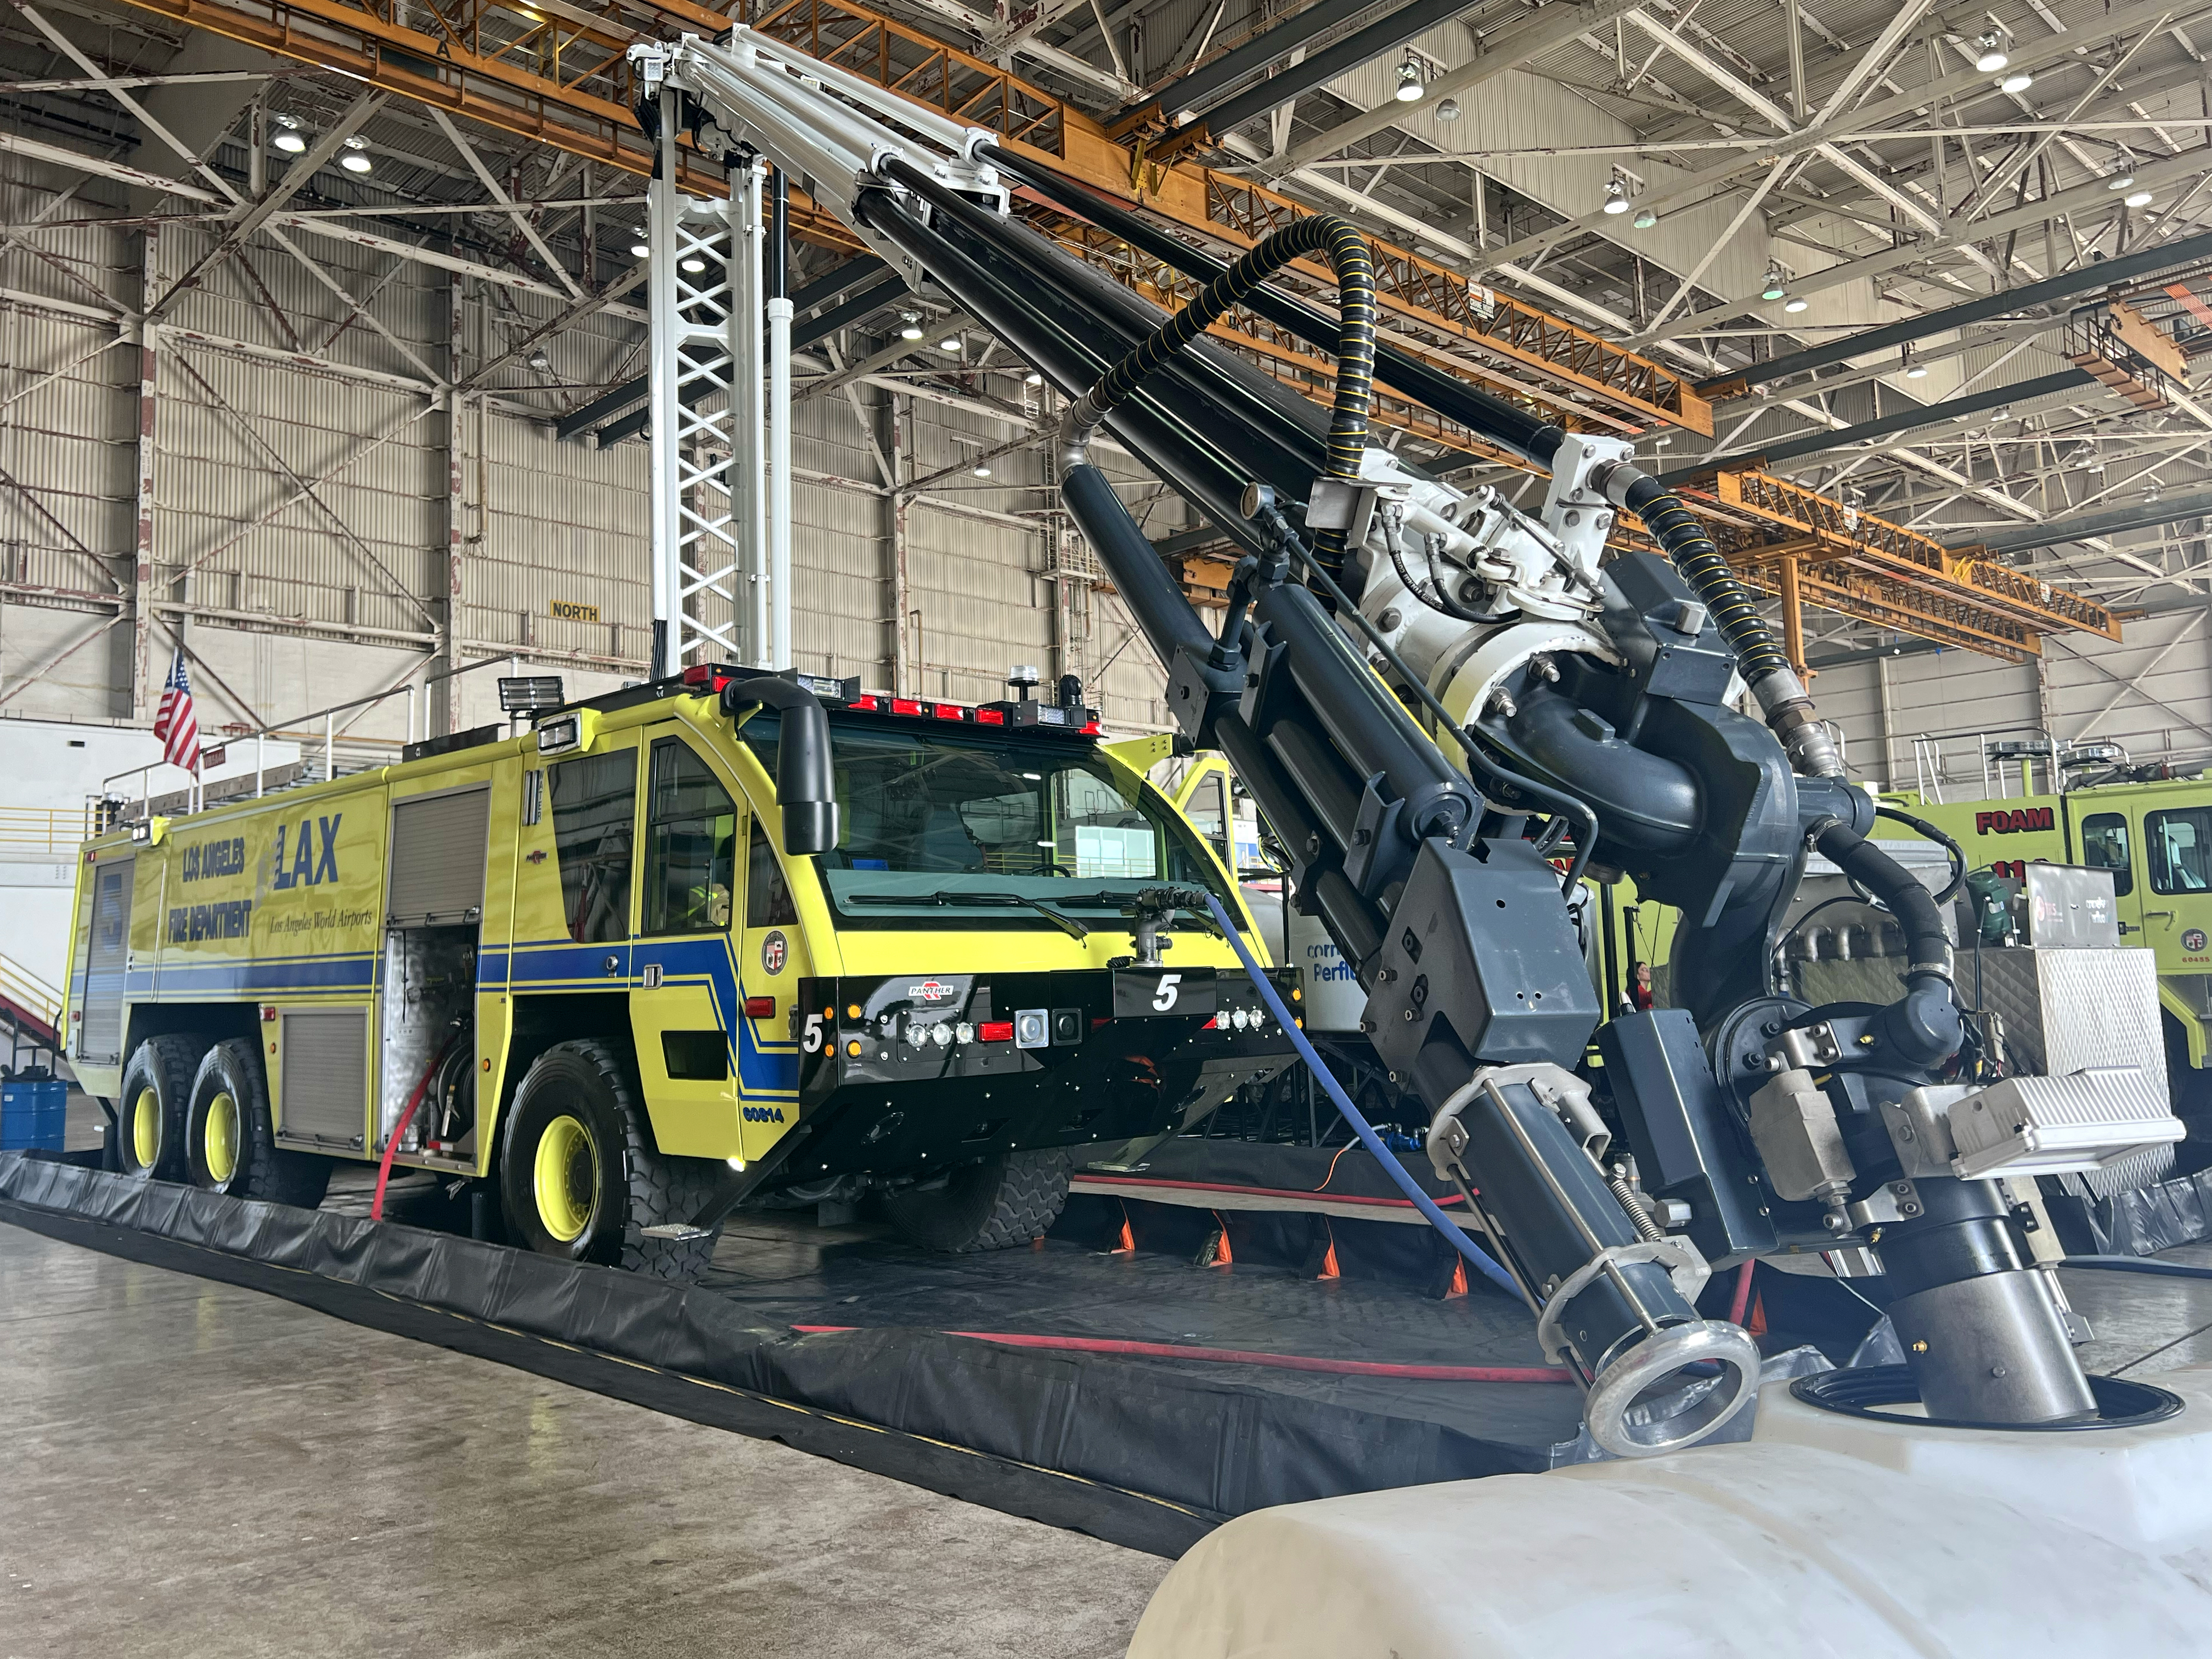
x=1026, y=1060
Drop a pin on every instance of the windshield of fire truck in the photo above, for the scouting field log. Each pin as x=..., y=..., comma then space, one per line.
x=927, y=816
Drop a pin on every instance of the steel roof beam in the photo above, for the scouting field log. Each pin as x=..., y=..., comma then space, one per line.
x=1384, y=35
x=2067, y=380
x=2081, y=280
x=2136, y=516
x=1194, y=92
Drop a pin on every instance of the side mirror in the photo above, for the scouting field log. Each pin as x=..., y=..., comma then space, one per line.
x=806, y=781
x=808, y=826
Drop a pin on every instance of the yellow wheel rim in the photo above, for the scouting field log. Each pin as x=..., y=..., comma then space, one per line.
x=146, y=1128
x=219, y=1139
x=567, y=1179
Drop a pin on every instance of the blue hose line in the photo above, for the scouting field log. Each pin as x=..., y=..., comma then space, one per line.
x=2134, y=1264
x=1454, y=1234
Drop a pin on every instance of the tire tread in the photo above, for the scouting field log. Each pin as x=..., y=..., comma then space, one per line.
x=978, y=1213
x=174, y=1059
x=661, y=1187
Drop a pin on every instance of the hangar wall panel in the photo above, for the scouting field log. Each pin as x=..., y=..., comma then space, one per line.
x=302, y=516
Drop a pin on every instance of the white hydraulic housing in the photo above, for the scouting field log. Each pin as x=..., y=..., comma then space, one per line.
x=1467, y=587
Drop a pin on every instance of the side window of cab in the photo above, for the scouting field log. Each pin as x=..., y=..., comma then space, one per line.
x=2105, y=846
x=691, y=845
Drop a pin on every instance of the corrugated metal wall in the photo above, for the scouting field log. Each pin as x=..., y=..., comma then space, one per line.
x=2152, y=694
x=301, y=515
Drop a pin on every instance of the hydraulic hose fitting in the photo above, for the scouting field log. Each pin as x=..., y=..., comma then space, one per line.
x=1781, y=695
x=1790, y=716
x=1077, y=421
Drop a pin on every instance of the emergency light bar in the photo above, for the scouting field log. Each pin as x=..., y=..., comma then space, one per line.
x=1074, y=722
x=711, y=677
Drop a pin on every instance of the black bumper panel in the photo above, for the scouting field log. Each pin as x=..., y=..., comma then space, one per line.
x=938, y=1070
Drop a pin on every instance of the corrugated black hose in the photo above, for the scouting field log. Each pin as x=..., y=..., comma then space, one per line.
x=1924, y=1026
x=1346, y=251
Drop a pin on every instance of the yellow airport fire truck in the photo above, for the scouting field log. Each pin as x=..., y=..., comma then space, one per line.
x=2154, y=833
x=721, y=938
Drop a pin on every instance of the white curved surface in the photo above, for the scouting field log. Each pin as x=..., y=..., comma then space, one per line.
x=1822, y=1536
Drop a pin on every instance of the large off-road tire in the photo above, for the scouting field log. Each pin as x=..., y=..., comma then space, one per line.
x=1008, y=1199
x=230, y=1144
x=580, y=1176
x=149, y=1126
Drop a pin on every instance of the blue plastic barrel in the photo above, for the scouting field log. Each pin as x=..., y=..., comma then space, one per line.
x=32, y=1114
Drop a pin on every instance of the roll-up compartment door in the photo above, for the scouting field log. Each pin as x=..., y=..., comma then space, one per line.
x=437, y=860
x=107, y=958
x=324, y=1086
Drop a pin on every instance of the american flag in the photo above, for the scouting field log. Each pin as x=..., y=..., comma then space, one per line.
x=174, y=723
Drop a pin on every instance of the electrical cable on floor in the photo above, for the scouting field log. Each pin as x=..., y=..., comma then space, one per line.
x=1477, y=1258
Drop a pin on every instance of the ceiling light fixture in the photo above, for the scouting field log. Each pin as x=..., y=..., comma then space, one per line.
x=1448, y=109
x=1993, y=55
x=909, y=326
x=693, y=263
x=1616, y=195
x=2136, y=199
x=1918, y=372
x=287, y=136
x=1645, y=218
x=1776, y=284
x=1796, y=305
x=541, y=363
x=983, y=469
x=952, y=344
x=1410, y=86
x=356, y=159
x=2018, y=80
x=1033, y=378
x=638, y=250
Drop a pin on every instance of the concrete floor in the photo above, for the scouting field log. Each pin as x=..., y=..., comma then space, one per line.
x=189, y=1468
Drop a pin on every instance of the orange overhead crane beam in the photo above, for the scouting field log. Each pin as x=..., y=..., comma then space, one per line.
x=1861, y=541
x=1779, y=537
x=553, y=71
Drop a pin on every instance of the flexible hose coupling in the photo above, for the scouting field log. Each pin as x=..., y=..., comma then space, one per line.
x=1791, y=717
x=1077, y=423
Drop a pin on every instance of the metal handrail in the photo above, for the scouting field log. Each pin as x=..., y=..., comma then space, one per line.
x=28, y=990
x=282, y=729
x=43, y=829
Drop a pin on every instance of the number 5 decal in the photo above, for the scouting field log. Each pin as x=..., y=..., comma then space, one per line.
x=811, y=1042
x=1165, y=999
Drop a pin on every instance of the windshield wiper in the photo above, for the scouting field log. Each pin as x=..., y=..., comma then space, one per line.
x=1068, y=925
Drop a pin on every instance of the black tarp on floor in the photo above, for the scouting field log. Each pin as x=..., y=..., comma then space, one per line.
x=1145, y=1451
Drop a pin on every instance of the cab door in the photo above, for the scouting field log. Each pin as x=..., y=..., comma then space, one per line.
x=2176, y=890
x=1205, y=798
x=773, y=956
x=684, y=1002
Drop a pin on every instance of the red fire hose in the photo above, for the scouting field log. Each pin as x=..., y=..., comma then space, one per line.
x=399, y=1129
x=1286, y=1362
